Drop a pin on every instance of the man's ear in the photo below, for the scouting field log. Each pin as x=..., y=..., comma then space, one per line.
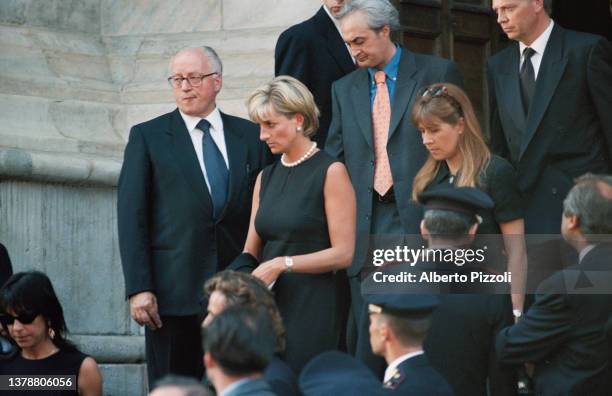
x=573, y=222
x=209, y=362
x=385, y=31
x=424, y=231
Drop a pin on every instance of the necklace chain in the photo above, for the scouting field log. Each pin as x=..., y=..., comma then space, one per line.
x=302, y=159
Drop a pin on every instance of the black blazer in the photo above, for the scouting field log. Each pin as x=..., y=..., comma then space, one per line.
x=350, y=138
x=168, y=240
x=417, y=377
x=460, y=343
x=563, y=332
x=568, y=130
x=313, y=52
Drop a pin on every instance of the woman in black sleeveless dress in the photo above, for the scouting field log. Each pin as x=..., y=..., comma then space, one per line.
x=33, y=316
x=303, y=219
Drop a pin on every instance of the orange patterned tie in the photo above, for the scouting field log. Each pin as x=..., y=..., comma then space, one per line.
x=381, y=117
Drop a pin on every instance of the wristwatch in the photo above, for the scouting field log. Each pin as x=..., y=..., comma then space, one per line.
x=289, y=263
x=517, y=313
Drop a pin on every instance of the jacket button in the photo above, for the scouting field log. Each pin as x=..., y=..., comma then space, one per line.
x=372, y=162
x=554, y=191
x=370, y=189
x=367, y=217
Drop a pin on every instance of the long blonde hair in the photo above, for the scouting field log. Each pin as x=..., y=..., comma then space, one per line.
x=450, y=104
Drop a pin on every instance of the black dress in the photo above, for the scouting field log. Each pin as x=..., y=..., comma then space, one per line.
x=62, y=363
x=498, y=181
x=291, y=221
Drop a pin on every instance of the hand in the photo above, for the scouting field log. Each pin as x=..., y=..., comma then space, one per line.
x=143, y=308
x=269, y=271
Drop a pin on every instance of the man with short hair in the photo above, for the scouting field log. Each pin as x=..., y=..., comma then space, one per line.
x=184, y=201
x=238, y=346
x=372, y=132
x=550, y=96
x=563, y=333
x=314, y=53
x=398, y=326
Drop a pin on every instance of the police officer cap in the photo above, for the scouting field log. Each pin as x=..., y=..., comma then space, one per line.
x=404, y=305
x=467, y=200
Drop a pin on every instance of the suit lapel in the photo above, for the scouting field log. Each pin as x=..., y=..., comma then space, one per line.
x=404, y=90
x=361, y=101
x=237, y=158
x=185, y=156
x=335, y=44
x=509, y=88
x=549, y=75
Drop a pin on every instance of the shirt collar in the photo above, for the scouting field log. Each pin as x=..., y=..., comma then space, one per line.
x=539, y=45
x=393, y=365
x=214, y=118
x=584, y=252
x=391, y=68
x=234, y=385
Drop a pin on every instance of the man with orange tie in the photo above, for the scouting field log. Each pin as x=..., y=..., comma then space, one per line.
x=371, y=131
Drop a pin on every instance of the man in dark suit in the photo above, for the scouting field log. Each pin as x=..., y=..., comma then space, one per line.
x=184, y=200
x=563, y=332
x=313, y=52
x=550, y=95
x=371, y=131
x=239, y=344
x=398, y=326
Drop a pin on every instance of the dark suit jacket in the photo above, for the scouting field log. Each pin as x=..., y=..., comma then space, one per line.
x=6, y=268
x=461, y=343
x=256, y=387
x=168, y=240
x=281, y=379
x=350, y=138
x=568, y=130
x=418, y=377
x=313, y=52
x=564, y=334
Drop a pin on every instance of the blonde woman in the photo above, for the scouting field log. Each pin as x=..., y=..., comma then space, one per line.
x=458, y=155
x=303, y=219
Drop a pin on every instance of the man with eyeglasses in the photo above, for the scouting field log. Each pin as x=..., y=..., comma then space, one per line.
x=184, y=201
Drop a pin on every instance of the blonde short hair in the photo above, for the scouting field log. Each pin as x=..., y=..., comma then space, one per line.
x=286, y=96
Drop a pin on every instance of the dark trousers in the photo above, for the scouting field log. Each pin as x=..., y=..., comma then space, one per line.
x=176, y=348
x=385, y=221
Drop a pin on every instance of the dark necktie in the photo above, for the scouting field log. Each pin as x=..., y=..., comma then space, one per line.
x=216, y=170
x=527, y=79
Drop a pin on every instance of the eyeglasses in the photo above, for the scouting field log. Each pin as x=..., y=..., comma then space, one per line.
x=25, y=318
x=194, y=81
x=440, y=91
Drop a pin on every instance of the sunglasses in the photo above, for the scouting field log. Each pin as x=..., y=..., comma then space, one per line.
x=441, y=91
x=25, y=318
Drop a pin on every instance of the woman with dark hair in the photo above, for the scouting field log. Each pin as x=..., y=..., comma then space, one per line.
x=459, y=156
x=34, y=318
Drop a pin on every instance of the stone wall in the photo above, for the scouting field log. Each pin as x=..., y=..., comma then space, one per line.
x=74, y=76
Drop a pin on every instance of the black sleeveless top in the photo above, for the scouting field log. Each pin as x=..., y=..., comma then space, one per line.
x=60, y=363
x=291, y=221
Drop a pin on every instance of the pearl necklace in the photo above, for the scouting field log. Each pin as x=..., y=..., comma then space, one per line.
x=302, y=159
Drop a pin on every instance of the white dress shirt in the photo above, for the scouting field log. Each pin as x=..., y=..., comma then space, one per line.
x=393, y=365
x=539, y=45
x=216, y=132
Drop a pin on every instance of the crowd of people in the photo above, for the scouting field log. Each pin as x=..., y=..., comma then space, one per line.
x=247, y=246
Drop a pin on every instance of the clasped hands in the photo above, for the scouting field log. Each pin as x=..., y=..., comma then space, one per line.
x=270, y=270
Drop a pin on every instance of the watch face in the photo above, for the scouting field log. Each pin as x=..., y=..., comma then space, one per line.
x=517, y=313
